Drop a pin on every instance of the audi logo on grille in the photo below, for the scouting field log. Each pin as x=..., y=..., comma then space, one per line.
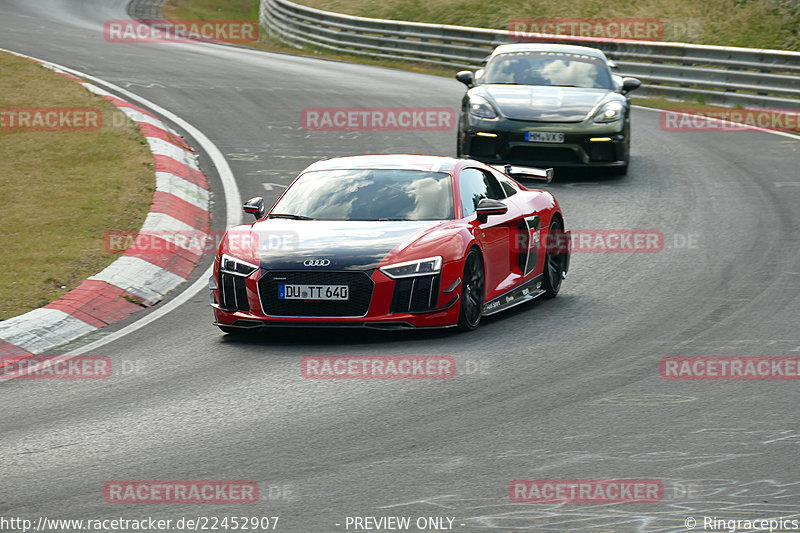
x=316, y=262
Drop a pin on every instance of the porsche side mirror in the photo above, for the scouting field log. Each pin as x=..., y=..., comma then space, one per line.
x=629, y=84
x=255, y=206
x=488, y=207
x=467, y=77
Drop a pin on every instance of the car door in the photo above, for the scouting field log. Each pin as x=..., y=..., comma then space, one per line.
x=526, y=245
x=496, y=235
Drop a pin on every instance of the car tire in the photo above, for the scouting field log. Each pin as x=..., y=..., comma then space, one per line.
x=623, y=170
x=555, y=261
x=460, y=140
x=472, y=292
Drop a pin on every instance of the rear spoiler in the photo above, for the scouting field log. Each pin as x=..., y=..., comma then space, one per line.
x=544, y=174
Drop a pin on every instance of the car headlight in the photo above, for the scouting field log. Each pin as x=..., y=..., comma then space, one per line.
x=409, y=269
x=480, y=107
x=609, y=112
x=231, y=265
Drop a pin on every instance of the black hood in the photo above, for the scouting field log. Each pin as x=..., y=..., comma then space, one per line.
x=540, y=103
x=348, y=245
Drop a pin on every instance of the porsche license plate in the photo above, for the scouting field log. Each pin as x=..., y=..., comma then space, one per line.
x=544, y=137
x=313, y=292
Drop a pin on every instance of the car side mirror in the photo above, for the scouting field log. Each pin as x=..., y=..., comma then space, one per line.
x=467, y=77
x=629, y=84
x=488, y=207
x=255, y=206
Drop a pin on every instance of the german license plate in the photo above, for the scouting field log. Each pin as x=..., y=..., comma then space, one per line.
x=313, y=292
x=544, y=137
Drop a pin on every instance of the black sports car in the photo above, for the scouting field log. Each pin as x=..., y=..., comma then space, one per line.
x=546, y=105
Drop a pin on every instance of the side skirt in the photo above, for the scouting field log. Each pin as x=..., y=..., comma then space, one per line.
x=524, y=293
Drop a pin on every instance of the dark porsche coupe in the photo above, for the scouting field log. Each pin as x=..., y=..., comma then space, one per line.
x=546, y=105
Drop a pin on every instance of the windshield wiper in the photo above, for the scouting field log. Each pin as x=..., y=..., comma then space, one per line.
x=289, y=216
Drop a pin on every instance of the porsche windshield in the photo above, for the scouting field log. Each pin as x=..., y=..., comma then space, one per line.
x=548, y=68
x=368, y=194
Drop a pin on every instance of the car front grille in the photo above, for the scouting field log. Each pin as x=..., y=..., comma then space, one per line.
x=415, y=295
x=533, y=154
x=232, y=292
x=360, y=293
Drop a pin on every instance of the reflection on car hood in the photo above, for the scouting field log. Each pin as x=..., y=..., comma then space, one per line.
x=348, y=245
x=545, y=104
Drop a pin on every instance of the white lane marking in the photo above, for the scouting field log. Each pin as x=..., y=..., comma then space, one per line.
x=754, y=128
x=43, y=329
x=271, y=186
x=233, y=202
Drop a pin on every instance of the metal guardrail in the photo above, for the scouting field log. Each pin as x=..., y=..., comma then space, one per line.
x=711, y=74
x=145, y=9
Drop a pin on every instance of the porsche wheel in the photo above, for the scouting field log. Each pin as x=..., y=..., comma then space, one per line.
x=623, y=170
x=555, y=261
x=460, y=140
x=472, y=287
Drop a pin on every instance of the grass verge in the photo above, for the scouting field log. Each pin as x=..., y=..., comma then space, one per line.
x=748, y=23
x=63, y=190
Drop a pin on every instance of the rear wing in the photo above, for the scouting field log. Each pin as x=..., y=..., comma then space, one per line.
x=544, y=174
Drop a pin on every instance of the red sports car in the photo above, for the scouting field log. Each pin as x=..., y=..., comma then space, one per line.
x=391, y=241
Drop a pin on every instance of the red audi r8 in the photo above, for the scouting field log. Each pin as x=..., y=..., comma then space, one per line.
x=391, y=241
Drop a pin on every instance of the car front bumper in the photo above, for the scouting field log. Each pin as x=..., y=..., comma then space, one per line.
x=252, y=302
x=585, y=143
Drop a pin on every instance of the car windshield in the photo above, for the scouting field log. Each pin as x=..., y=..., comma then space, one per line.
x=548, y=68
x=368, y=194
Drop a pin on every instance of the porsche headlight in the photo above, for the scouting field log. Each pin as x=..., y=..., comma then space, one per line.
x=235, y=266
x=480, y=107
x=410, y=269
x=609, y=112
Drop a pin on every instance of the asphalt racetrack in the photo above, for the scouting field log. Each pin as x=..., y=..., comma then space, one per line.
x=559, y=389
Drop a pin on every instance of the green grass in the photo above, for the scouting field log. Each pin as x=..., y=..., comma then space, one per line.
x=62, y=191
x=748, y=23
x=211, y=9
